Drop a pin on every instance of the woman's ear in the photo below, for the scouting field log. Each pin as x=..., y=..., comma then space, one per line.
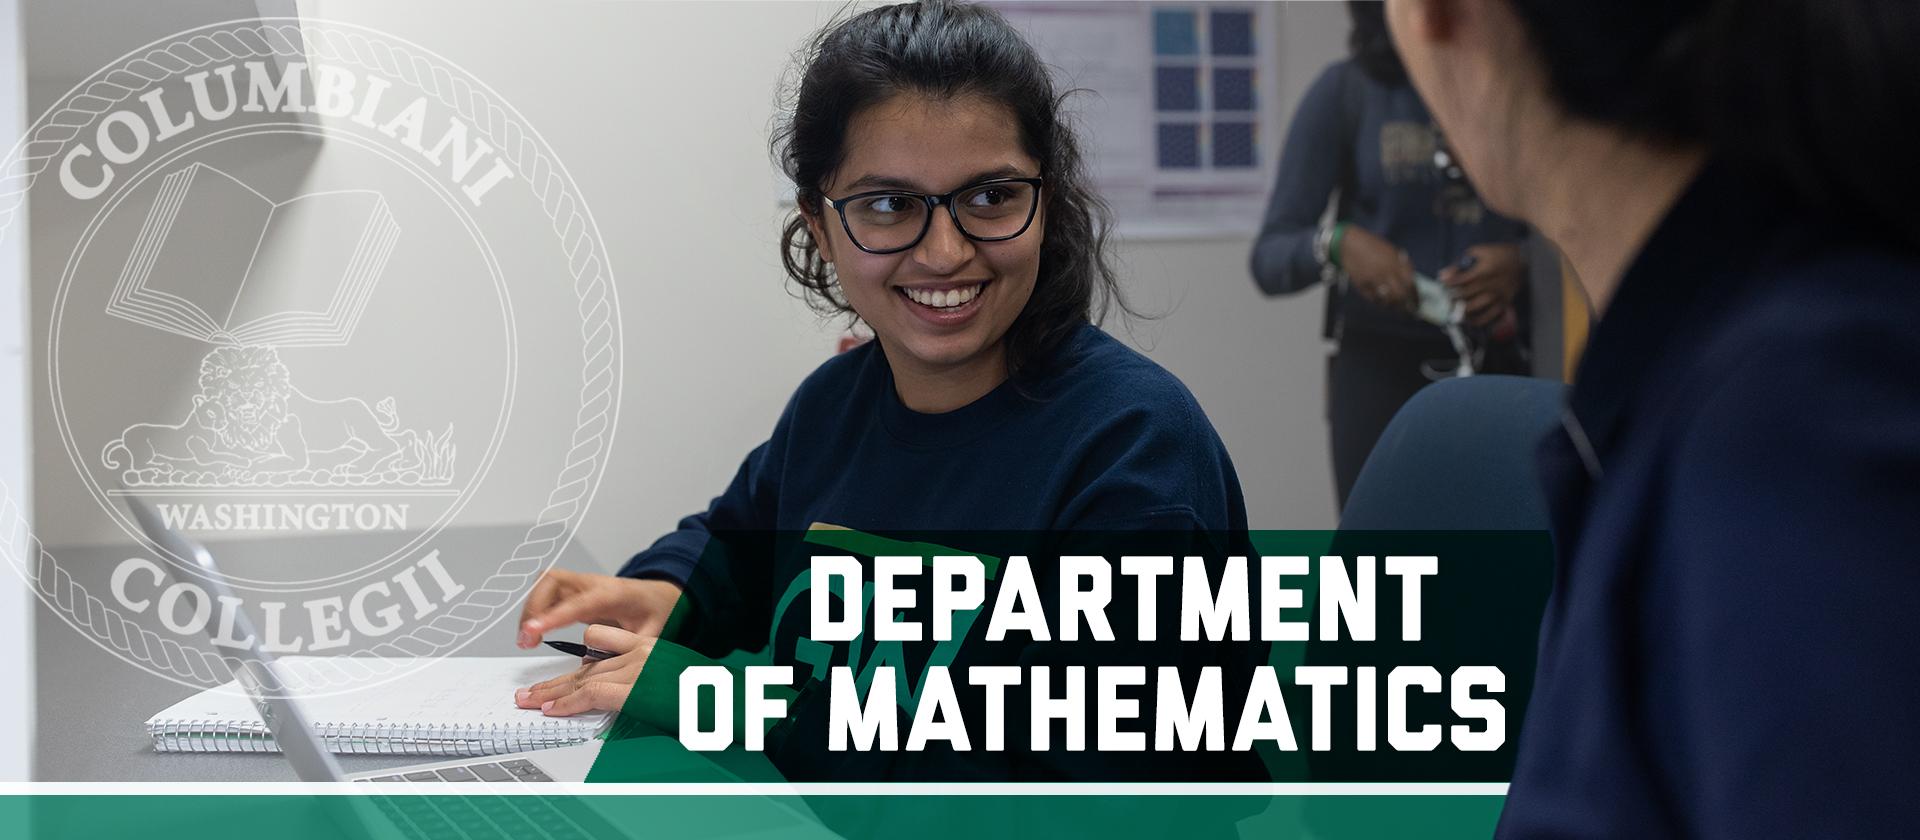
x=818, y=230
x=1424, y=20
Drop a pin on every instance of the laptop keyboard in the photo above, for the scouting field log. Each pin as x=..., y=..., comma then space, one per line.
x=478, y=817
x=472, y=817
x=511, y=770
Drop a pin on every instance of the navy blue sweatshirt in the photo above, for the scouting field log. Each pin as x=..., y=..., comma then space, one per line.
x=1380, y=139
x=1106, y=440
x=1729, y=650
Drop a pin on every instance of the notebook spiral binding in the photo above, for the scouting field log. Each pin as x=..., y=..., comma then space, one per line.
x=187, y=735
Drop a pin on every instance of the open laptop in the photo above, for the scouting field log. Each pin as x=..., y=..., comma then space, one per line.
x=482, y=815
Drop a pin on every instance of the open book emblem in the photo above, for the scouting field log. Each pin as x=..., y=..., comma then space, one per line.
x=248, y=295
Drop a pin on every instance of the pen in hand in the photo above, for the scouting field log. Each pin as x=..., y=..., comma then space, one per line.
x=582, y=651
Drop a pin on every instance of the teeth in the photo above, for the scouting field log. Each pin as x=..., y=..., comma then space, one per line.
x=944, y=299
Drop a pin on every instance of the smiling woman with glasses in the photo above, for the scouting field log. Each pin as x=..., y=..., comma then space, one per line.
x=941, y=202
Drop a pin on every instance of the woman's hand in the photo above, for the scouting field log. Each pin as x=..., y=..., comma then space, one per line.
x=597, y=684
x=1489, y=286
x=1378, y=271
x=561, y=598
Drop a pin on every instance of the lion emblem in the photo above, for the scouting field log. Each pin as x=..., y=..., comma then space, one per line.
x=250, y=425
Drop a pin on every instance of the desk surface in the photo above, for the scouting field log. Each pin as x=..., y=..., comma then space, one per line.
x=92, y=706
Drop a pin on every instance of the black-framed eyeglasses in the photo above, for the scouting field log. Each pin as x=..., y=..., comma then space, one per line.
x=891, y=221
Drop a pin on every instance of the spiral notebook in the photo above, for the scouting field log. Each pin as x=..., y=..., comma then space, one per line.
x=447, y=706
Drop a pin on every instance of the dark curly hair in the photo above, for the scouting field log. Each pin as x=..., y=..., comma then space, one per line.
x=1813, y=94
x=1371, y=45
x=948, y=50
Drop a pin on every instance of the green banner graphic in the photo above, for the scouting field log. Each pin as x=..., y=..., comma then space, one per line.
x=300, y=817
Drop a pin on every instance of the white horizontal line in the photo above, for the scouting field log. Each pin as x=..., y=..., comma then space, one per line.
x=758, y=789
x=259, y=490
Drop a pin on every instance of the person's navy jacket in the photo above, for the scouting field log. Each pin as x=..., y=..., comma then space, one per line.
x=1730, y=648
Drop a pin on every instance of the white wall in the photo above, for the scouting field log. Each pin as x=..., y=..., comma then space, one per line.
x=1257, y=364
x=660, y=111
x=16, y=602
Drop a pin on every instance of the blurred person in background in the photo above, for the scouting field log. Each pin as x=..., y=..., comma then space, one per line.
x=1728, y=651
x=1363, y=141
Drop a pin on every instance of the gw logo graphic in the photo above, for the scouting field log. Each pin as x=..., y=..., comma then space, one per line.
x=328, y=302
